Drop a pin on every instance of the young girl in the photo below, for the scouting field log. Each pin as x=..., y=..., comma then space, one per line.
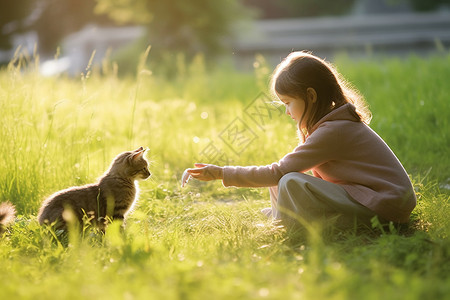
x=355, y=174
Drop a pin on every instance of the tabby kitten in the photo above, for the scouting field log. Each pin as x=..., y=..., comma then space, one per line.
x=110, y=198
x=7, y=215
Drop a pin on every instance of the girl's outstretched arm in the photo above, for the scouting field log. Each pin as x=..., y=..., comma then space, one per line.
x=206, y=172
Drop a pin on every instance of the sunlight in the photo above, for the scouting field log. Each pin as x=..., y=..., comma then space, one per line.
x=204, y=115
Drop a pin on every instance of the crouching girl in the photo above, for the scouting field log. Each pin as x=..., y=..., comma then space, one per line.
x=354, y=172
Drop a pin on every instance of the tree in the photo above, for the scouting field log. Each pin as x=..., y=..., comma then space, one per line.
x=14, y=18
x=178, y=25
x=428, y=5
x=52, y=20
x=58, y=18
x=269, y=9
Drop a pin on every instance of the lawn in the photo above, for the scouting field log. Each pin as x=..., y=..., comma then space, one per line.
x=205, y=241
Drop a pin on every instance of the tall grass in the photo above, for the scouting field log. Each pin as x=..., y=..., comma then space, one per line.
x=206, y=241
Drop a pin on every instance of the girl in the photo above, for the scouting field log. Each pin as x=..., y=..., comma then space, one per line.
x=355, y=174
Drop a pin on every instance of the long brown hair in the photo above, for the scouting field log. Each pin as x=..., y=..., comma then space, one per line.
x=302, y=70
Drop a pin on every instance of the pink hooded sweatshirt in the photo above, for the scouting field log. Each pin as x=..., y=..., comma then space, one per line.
x=342, y=150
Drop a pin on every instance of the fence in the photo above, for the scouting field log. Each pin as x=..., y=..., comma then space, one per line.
x=358, y=36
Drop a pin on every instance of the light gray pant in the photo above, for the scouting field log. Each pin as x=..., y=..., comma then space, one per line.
x=300, y=197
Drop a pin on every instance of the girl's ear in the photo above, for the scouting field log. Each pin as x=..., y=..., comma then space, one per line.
x=311, y=95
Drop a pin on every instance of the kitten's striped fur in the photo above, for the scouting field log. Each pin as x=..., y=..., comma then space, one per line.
x=110, y=198
x=7, y=215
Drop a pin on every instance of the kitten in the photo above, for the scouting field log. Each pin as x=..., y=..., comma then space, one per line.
x=110, y=198
x=7, y=215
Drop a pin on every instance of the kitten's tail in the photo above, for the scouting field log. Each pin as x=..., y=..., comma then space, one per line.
x=7, y=215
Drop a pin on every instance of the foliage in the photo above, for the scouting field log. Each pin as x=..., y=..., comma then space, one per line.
x=179, y=26
x=429, y=5
x=51, y=20
x=57, y=19
x=12, y=19
x=205, y=240
x=300, y=8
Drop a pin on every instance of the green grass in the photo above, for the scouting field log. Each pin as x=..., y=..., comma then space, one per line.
x=206, y=241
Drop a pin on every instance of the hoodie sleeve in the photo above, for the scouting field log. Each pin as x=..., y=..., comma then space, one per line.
x=317, y=149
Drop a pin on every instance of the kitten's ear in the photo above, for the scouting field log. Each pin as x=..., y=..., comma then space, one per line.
x=138, y=154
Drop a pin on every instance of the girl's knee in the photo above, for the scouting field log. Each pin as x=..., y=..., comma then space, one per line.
x=290, y=180
x=295, y=197
x=283, y=182
x=290, y=190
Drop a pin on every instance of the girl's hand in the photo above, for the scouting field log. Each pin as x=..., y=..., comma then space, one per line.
x=206, y=172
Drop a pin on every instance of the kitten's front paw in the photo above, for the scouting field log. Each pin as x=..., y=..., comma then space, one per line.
x=185, y=178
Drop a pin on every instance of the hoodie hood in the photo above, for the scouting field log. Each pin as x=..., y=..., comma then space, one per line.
x=345, y=112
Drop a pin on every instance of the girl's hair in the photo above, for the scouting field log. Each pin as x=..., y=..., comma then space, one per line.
x=300, y=71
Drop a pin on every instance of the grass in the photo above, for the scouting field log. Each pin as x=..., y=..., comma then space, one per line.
x=206, y=241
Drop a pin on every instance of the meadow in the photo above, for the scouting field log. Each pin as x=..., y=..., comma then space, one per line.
x=205, y=241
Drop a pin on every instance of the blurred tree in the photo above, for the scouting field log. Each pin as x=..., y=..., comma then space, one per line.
x=177, y=26
x=428, y=5
x=14, y=18
x=58, y=18
x=300, y=8
x=52, y=20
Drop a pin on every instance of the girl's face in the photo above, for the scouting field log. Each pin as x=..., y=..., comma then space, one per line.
x=295, y=108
